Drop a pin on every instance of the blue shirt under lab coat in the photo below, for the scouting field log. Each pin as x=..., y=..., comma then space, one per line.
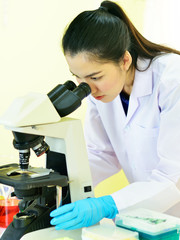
x=145, y=143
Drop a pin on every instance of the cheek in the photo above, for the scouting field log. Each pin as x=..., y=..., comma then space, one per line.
x=106, y=87
x=112, y=85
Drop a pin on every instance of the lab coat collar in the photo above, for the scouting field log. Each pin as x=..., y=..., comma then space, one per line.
x=143, y=79
x=142, y=87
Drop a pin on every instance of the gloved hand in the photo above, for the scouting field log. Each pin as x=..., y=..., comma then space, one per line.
x=83, y=213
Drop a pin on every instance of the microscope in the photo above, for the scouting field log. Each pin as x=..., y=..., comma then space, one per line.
x=39, y=123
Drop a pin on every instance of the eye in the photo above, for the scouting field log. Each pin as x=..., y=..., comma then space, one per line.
x=96, y=78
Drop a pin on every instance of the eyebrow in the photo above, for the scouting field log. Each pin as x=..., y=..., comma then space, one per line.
x=90, y=75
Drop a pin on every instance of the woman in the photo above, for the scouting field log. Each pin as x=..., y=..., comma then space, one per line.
x=133, y=116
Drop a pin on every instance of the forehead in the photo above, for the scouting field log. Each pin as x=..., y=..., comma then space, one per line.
x=84, y=63
x=81, y=58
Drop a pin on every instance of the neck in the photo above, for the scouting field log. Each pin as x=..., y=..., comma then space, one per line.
x=129, y=81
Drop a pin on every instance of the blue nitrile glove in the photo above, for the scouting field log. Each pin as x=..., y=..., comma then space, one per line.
x=83, y=213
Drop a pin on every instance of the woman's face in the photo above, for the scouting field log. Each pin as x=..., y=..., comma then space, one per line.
x=106, y=80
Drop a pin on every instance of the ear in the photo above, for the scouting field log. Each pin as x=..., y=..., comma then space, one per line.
x=126, y=61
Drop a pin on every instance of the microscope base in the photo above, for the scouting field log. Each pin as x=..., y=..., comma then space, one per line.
x=21, y=226
x=38, y=199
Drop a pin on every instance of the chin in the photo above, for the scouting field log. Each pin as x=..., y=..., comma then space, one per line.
x=107, y=99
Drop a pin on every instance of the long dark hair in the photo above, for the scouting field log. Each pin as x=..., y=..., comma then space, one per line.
x=107, y=33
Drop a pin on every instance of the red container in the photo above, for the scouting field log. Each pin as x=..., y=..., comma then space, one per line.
x=8, y=208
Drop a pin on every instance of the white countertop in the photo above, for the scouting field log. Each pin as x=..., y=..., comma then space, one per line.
x=52, y=234
x=49, y=234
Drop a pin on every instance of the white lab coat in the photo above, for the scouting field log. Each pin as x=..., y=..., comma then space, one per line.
x=145, y=143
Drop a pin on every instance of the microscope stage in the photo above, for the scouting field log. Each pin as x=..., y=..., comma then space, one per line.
x=13, y=176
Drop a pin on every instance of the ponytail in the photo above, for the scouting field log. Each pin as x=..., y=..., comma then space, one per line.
x=106, y=33
x=140, y=46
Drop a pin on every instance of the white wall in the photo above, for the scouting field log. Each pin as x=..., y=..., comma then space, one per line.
x=30, y=55
x=161, y=22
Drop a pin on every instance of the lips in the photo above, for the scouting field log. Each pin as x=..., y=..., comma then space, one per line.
x=98, y=97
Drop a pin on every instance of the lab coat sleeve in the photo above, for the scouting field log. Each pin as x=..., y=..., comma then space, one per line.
x=169, y=133
x=153, y=195
x=102, y=158
x=161, y=190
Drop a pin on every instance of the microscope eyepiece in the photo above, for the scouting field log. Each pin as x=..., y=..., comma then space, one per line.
x=82, y=91
x=61, y=89
x=70, y=100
